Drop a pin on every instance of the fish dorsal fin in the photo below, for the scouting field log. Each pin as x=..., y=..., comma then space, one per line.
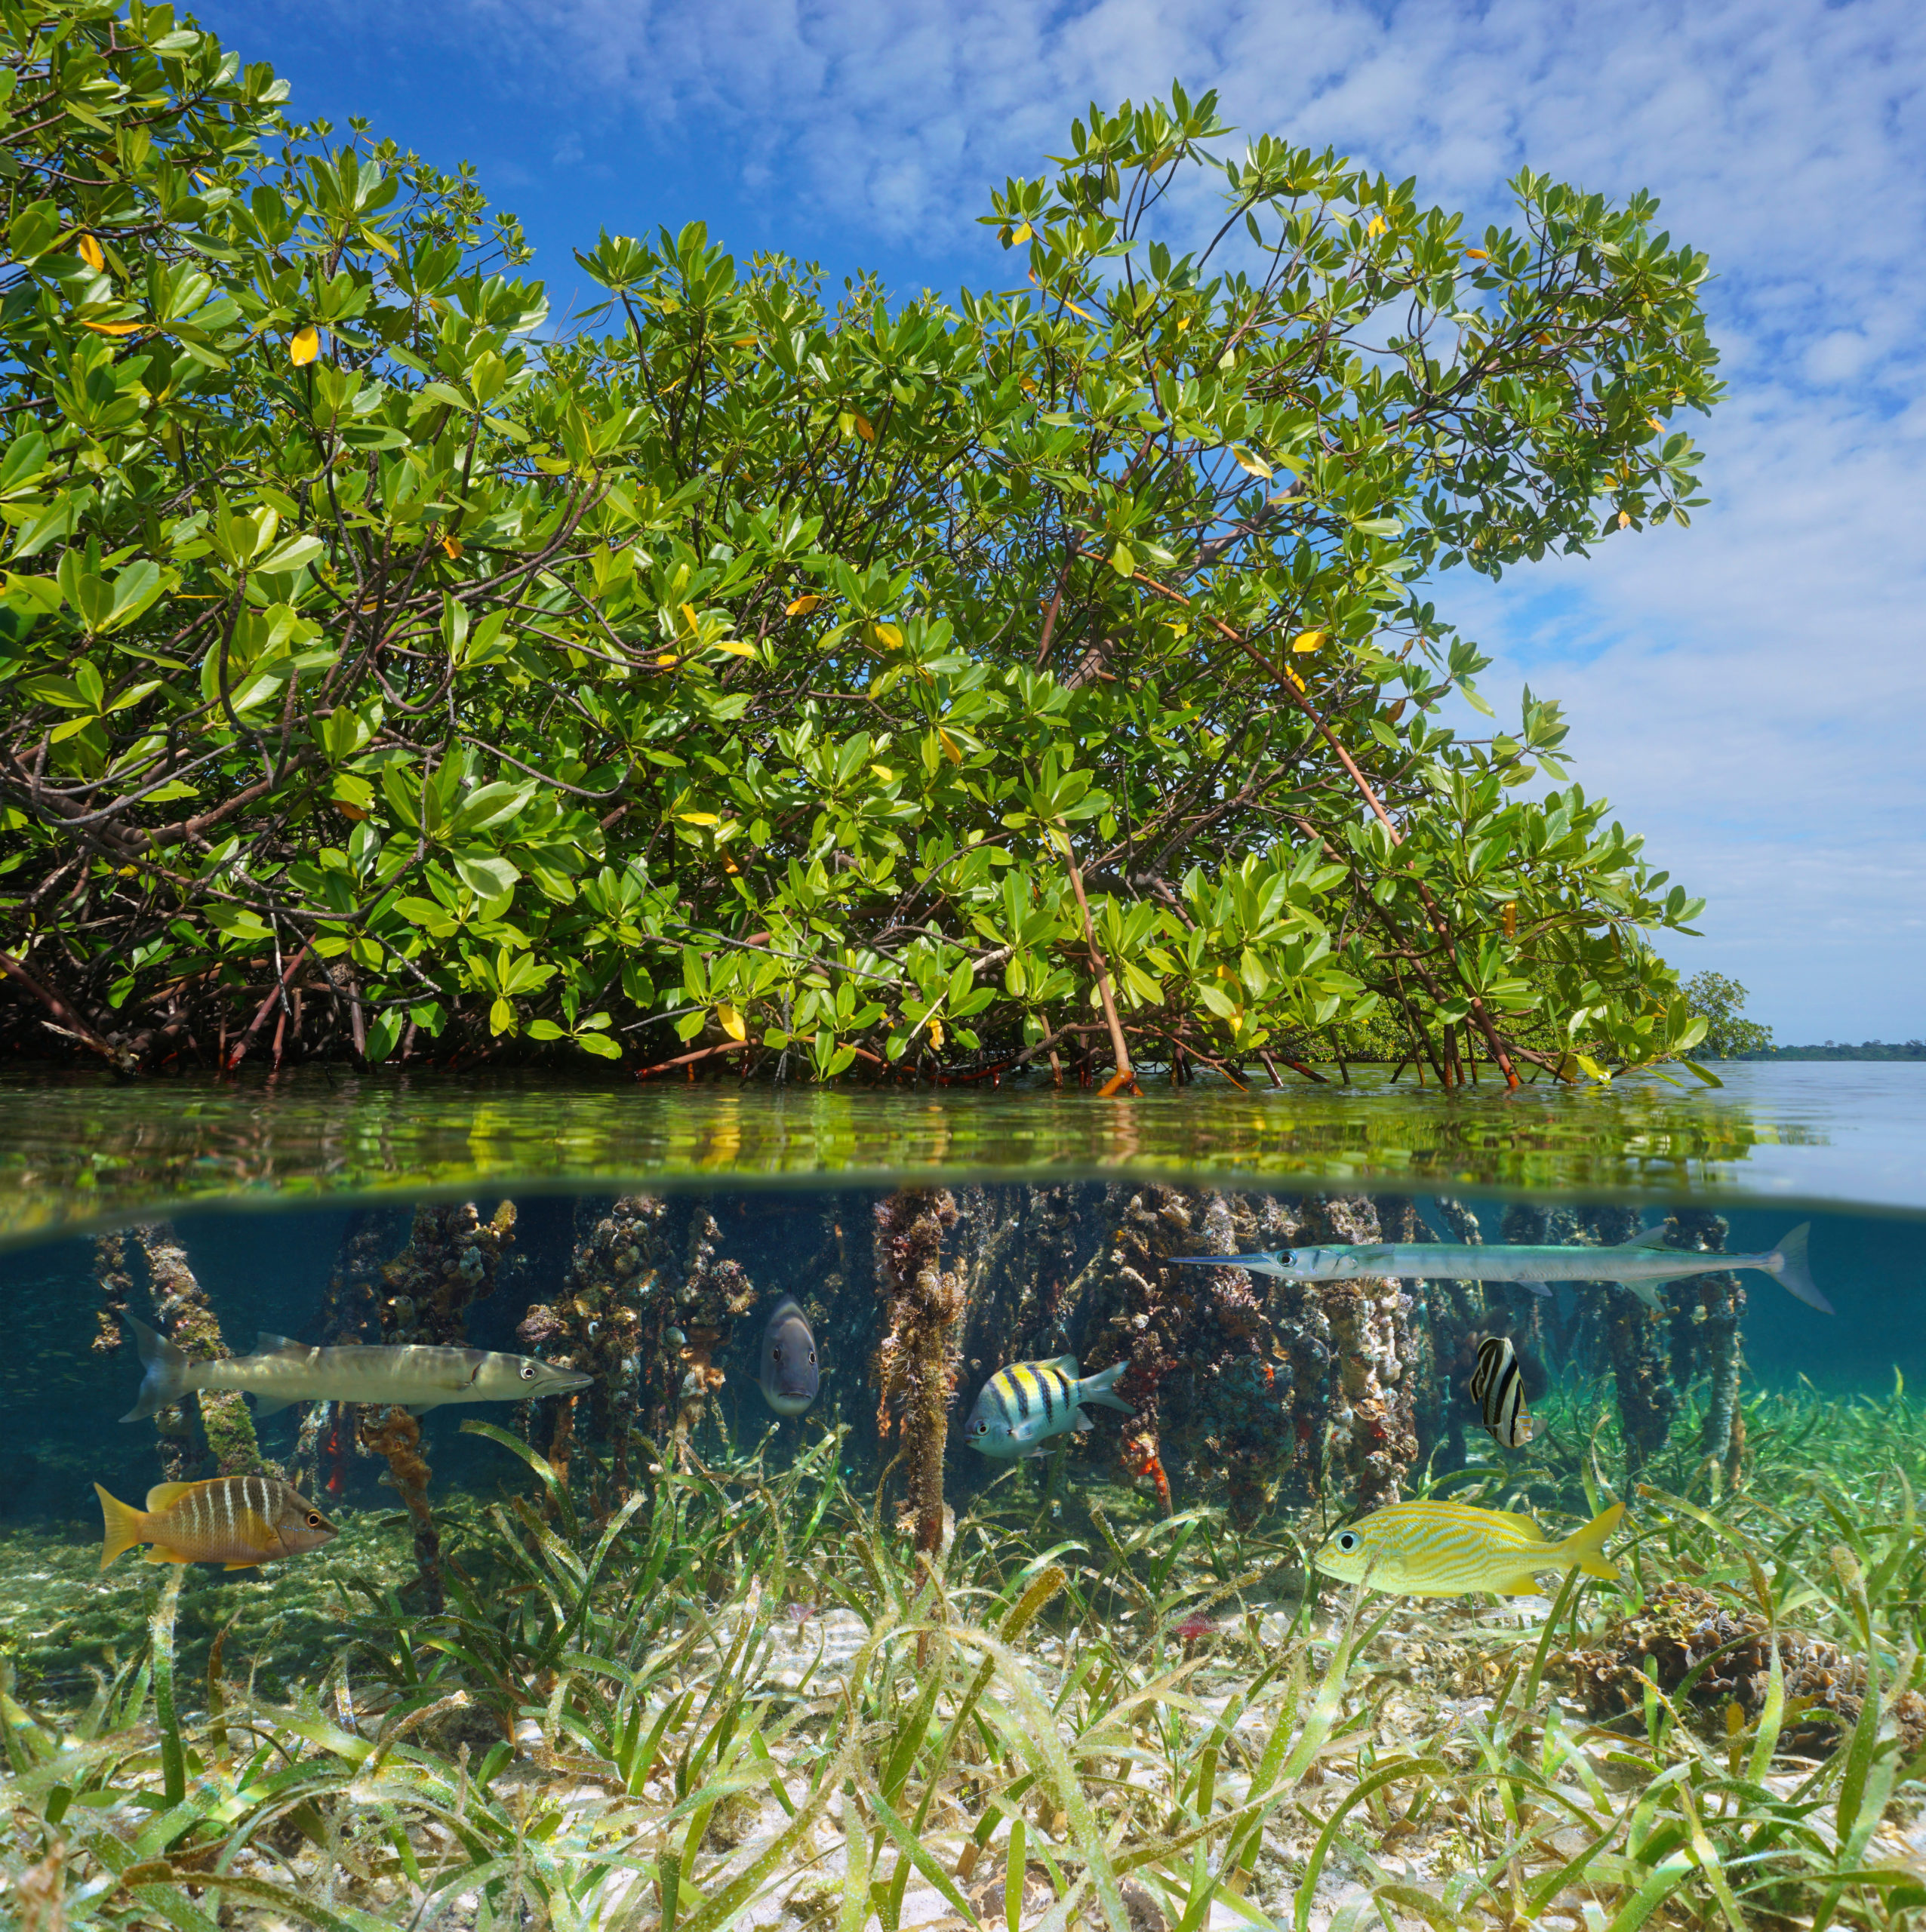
x=163, y=1494
x=266, y=1344
x=1526, y=1526
x=1651, y=1237
x=1068, y=1363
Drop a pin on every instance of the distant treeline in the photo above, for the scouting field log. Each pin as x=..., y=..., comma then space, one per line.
x=1840, y=1049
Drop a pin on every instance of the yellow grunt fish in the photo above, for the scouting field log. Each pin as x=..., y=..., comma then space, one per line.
x=1451, y=1549
x=239, y=1520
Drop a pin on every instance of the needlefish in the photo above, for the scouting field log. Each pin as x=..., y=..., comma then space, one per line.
x=1021, y=1407
x=415, y=1375
x=238, y=1521
x=1636, y=1264
x=1451, y=1549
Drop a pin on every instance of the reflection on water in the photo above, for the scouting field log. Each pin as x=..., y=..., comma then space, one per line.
x=83, y=1147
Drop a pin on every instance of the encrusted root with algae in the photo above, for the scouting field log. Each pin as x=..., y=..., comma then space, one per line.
x=183, y=1314
x=329, y=1437
x=452, y=1258
x=915, y=1363
x=396, y=1435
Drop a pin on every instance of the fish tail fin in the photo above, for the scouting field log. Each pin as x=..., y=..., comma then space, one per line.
x=166, y=1371
x=1099, y=1389
x=1788, y=1262
x=123, y=1523
x=1585, y=1548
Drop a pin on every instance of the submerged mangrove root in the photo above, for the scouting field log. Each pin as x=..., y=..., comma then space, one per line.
x=1372, y=1434
x=350, y=1312
x=452, y=1258
x=1636, y=1338
x=1709, y=1309
x=183, y=1313
x=915, y=1363
x=115, y=1285
x=397, y=1436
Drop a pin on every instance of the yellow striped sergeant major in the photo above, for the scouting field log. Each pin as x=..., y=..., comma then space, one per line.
x=1022, y=1407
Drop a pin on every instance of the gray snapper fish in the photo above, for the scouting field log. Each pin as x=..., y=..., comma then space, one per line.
x=1022, y=1407
x=416, y=1375
x=1635, y=1264
x=788, y=1373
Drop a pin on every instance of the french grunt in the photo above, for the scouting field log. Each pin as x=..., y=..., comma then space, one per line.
x=1451, y=1549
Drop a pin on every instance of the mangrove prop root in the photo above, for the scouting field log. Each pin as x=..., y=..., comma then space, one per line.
x=1635, y=1335
x=397, y=1436
x=1707, y=1316
x=915, y=1362
x=115, y=1285
x=1372, y=1434
x=183, y=1314
x=453, y=1258
x=350, y=1312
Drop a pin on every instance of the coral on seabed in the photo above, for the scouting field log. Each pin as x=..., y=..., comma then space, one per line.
x=1683, y=1627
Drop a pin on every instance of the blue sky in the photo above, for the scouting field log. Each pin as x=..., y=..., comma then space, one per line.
x=1751, y=693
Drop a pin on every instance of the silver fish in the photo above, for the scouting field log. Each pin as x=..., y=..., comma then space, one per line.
x=1022, y=1407
x=788, y=1376
x=1498, y=1387
x=415, y=1375
x=1635, y=1265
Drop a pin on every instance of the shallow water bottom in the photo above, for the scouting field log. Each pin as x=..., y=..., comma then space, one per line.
x=650, y=1656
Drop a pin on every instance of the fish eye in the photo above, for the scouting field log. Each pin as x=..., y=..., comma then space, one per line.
x=812, y=1356
x=314, y=1519
x=776, y=1352
x=982, y=1428
x=1348, y=1541
x=528, y=1371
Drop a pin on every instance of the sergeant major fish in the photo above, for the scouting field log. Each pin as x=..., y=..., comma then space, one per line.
x=416, y=1375
x=1022, y=1407
x=788, y=1374
x=1451, y=1549
x=238, y=1521
x=1498, y=1388
x=1636, y=1264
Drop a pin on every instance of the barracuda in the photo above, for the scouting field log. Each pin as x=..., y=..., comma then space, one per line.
x=1636, y=1264
x=415, y=1375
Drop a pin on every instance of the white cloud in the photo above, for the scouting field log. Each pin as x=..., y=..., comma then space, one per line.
x=1749, y=692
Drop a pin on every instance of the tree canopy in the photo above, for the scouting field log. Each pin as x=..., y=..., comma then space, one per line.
x=784, y=675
